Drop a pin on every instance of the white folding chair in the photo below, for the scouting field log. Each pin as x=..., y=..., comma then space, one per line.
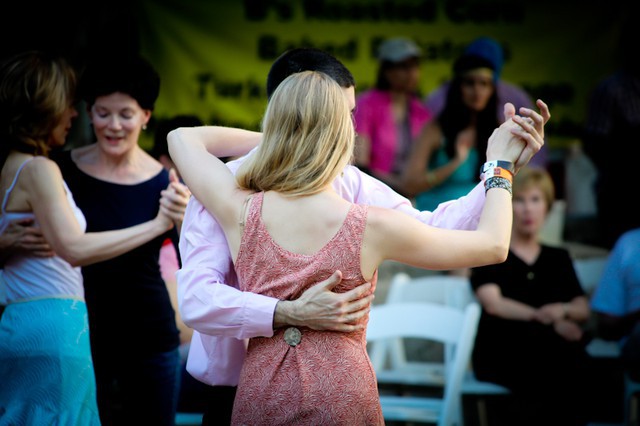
x=446, y=290
x=450, y=290
x=434, y=322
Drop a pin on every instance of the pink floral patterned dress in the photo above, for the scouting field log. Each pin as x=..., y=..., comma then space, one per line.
x=302, y=376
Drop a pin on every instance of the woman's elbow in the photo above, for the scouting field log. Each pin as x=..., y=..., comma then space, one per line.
x=186, y=318
x=71, y=258
x=174, y=138
x=491, y=309
x=503, y=252
x=497, y=252
x=74, y=256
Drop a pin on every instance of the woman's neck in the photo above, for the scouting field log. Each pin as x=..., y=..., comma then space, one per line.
x=129, y=168
x=525, y=246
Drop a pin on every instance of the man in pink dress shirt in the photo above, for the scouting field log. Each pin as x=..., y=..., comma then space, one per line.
x=223, y=317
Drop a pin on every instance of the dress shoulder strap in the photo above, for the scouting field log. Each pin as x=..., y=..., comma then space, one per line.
x=15, y=179
x=243, y=212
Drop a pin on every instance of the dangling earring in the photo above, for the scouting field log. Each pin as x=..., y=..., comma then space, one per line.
x=144, y=127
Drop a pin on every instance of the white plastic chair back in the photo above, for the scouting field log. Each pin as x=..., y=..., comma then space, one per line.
x=449, y=290
x=435, y=322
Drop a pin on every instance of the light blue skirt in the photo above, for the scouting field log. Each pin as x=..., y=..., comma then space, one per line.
x=46, y=372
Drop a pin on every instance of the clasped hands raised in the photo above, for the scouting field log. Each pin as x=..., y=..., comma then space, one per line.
x=526, y=135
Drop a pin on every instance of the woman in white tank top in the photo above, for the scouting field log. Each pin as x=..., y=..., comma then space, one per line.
x=45, y=359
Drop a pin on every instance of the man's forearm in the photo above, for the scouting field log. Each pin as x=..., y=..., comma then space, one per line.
x=215, y=308
x=208, y=297
x=284, y=314
x=462, y=214
x=320, y=308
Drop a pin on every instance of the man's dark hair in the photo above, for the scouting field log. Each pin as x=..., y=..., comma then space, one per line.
x=165, y=126
x=307, y=59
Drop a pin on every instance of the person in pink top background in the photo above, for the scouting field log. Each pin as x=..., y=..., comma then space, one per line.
x=223, y=317
x=389, y=116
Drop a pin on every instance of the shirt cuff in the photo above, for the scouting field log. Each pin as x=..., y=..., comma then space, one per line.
x=259, y=319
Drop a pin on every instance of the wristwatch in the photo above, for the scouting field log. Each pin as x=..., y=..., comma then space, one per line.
x=507, y=165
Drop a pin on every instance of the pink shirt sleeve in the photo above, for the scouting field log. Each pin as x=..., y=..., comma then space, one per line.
x=209, y=301
x=360, y=188
x=208, y=297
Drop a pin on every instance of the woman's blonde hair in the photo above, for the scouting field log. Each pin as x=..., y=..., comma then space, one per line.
x=36, y=88
x=308, y=137
x=535, y=177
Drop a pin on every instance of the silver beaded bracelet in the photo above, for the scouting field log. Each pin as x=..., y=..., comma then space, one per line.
x=497, y=182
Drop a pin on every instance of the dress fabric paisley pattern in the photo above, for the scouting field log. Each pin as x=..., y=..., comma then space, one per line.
x=327, y=378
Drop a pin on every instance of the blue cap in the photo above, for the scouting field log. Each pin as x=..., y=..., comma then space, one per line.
x=488, y=49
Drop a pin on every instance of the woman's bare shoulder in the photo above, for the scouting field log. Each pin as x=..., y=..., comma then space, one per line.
x=384, y=218
x=40, y=175
x=41, y=165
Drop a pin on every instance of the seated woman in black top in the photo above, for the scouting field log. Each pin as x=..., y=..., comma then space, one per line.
x=530, y=336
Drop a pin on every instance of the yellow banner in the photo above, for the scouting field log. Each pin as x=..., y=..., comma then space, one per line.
x=213, y=56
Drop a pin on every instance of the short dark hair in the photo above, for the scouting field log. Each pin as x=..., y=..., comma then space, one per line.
x=131, y=74
x=307, y=59
x=165, y=126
